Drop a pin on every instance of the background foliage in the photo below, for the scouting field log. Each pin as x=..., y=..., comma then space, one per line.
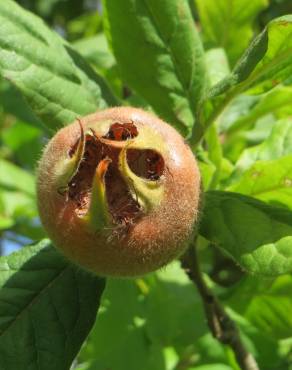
x=148, y=54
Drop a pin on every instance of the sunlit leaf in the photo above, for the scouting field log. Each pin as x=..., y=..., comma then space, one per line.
x=265, y=304
x=278, y=144
x=257, y=236
x=270, y=181
x=277, y=101
x=266, y=63
x=229, y=24
x=96, y=51
x=159, y=54
x=15, y=178
x=55, y=80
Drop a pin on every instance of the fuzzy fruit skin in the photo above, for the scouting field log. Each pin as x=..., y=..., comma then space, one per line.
x=156, y=238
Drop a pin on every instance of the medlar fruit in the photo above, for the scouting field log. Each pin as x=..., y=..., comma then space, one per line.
x=118, y=192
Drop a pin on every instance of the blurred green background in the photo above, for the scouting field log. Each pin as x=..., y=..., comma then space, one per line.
x=154, y=323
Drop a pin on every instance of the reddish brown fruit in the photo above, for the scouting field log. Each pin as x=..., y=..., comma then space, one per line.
x=118, y=192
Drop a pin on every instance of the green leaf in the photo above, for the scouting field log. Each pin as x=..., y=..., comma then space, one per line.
x=95, y=50
x=211, y=367
x=119, y=333
x=17, y=204
x=85, y=25
x=265, y=348
x=257, y=236
x=5, y=221
x=145, y=329
x=229, y=24
x=25, y=142
x=14, y=103
x=210, y=162
x=226, y=170
x=266, y=63
x=265, y=304
x=236, y=143
x=15, y=178
x=47, y=307
x=238, y=108
x=210, y=350
x=214, y=152
x=217, y=65
x=278, y=101
x=172, y=288
x=17, y=198
x=55, y=80
x=207, y=171
x=278, y=144
x=270, y=181
x=160, y=55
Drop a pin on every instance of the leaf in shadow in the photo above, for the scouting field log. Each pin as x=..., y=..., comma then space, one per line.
x=47, y=308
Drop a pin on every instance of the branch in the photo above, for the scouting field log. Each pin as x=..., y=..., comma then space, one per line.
x=221, y=325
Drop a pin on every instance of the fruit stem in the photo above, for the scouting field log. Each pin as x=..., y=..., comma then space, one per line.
x=220, y=324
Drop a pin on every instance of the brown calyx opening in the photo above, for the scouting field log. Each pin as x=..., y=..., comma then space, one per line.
x=121, y=131
x=145, y=163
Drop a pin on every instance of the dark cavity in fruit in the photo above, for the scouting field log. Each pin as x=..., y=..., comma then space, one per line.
x=146, y=163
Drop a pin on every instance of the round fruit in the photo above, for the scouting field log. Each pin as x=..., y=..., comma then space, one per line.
x=118, y=192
